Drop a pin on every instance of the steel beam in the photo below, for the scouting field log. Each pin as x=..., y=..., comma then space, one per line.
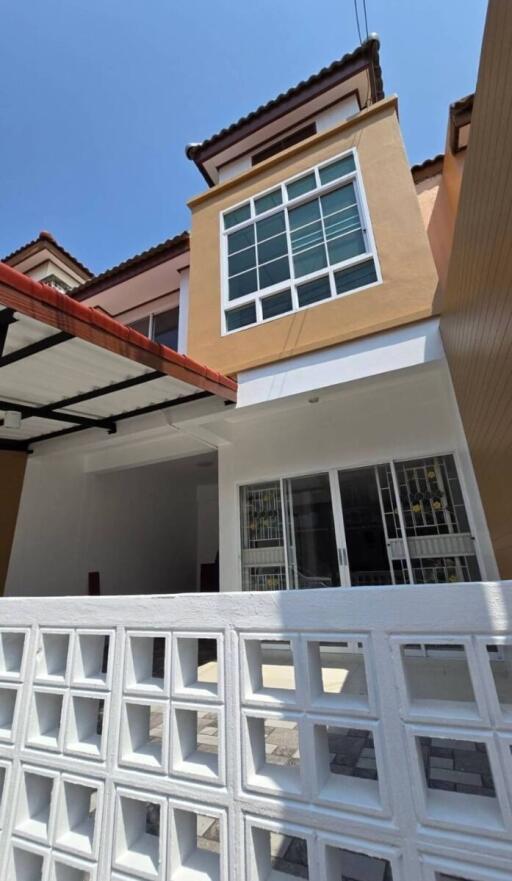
x=34, y=348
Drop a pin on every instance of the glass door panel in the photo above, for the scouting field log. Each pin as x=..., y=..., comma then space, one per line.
x=393, y=524
x=365, y=534
x=440, y=544
x=406, y=523
x=263, y=547
x=312, y=549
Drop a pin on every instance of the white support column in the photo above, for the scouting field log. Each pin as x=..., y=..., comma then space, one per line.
x=183, y=316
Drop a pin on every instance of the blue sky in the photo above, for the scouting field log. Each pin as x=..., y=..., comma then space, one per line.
x=98, y=99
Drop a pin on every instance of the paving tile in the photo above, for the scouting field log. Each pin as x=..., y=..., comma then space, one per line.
x=439, y=762
x=455, y=776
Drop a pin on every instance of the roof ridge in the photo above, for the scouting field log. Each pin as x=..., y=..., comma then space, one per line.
x=421, y=169
x=141, y=257
x=45, y=236
x=371, y=45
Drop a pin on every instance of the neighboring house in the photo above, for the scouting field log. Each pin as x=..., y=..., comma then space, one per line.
x=314, y=275
x=46, y=261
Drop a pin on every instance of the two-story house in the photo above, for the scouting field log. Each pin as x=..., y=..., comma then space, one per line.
x=310, y=389
x=312, y=275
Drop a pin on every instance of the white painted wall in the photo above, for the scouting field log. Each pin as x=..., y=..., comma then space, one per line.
x=337, y=113
x=137, y=527
x=237, y=166
x=391, y=417
x=396, y=349
x=183, y=313
x=421, y=832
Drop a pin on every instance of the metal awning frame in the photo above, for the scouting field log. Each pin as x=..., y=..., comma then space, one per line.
x=69, y=320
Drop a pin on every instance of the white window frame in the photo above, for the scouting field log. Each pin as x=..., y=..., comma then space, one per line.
x=292, y=283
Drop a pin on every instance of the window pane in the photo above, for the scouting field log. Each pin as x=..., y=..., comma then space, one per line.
x=236, y=318
x=264, y=203
x=237, y=241
x=342, y=222
x=346, y=247
x=141, y=325
x=242, y=260
x=355, y=277
x=302, y=185
x=314, y=291
x=304, y=214
x=270, y=227
x=307, y=236
x=337, y=169
x=276, y=304
x=273, y=273
x=243, y=284
x=310, y=261
x=272, y=248
x=238, y=215
x=338, y=199
x=165, y=328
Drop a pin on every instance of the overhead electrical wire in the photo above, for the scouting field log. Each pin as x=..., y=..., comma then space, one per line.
x=365, y=18
x=357, y=21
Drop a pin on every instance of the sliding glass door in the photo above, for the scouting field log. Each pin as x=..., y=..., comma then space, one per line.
x=312, y=545
x=440, y=546
x=289, y=536
x=365, y=536
x=401, y=522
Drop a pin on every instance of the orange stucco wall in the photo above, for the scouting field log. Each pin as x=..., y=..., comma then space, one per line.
x=438, y=197
x=12, y=472
x=409, y=277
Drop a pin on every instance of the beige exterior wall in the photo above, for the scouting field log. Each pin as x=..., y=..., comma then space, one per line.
x=12, y=472
x=409, y=285
x=439, y=200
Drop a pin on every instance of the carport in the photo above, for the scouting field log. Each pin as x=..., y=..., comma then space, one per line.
x=66, y=369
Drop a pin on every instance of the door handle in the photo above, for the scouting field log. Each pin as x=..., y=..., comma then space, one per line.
x=342, y=556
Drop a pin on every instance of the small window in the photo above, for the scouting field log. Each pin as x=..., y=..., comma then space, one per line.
x=237, y=318
x=355, y=277
x=238, y=215
x=165, y=328
x=141, y=325
x=337, y=169
x=278, y=304
x=298, y=244
x=283, y=143
x=301, y=186
x=269, y=201
x=161, y=327
x=314, y=291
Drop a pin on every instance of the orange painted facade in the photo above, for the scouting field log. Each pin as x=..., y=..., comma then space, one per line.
x=409, y=279
x=439, y=200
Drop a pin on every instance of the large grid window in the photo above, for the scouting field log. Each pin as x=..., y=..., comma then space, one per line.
x=303, y=242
